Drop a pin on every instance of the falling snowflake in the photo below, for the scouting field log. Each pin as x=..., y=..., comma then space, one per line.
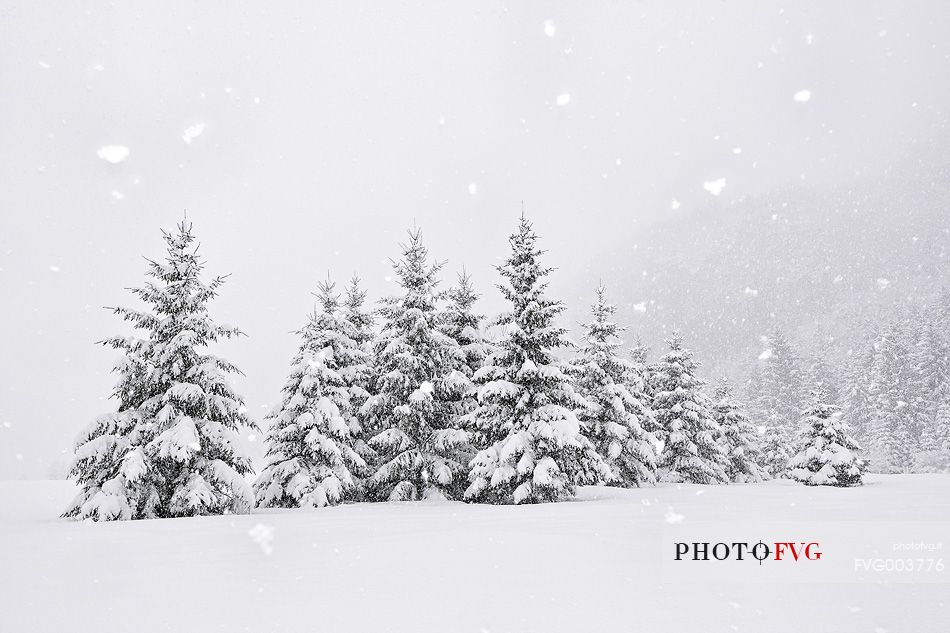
x=675, y=204
x=473, y=188
x=715, y=187
x=563, y=99
x=802, y=96
x=193, y=132
x=549, y=29
x=767, y=354
x=114, y=154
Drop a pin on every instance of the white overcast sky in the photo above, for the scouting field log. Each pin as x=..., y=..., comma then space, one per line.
x=304, y=138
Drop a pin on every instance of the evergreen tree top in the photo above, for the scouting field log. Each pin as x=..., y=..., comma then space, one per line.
x=354, y=295
x=818, y=403
x=532, y=332
x=462, y=295
x=180, y=289
x=522, y=269
x=602, y=333
x=723, y=390
x=602, y=339
x=678, y=361
x=414, y=272
x=639, y=352
x=177, y=316
x=327, y=298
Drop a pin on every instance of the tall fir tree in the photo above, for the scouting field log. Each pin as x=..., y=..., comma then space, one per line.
x=779, y=401
x=362, y=322
x=417, y=386
x=615, y=418
x=890, y=430
x=461, y=323
x=933, y=455
x=739, y=436
x=930, y=369
x=172, y=448
x=532, y=447
x=354, y=297
x=316, y=453
x=857, y=398
x=826, y=455
x=691, y=452
x=637, y=380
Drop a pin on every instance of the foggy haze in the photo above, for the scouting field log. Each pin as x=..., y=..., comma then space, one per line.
x=305, y=140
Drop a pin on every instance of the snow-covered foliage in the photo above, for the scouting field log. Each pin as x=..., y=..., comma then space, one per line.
x=616, y=415
x=417, y=385
x=826, y=455
x=691, y=452
x=362, y=333
x=464, y=326
x=532, y=447
x=897, y=383
x=354, y=297
x=777, y=395
x=891, y=427
x=316, y=453
x=172, y=447
x=738, y=436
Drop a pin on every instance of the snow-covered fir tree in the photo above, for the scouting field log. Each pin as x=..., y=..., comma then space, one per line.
x=637, y=379
x=890, y=429
x=930, y=369
x=532, y=447
x=173, y=447
x=934, y=453
x=739, y=437
x=826, y=455
x=776, y=451
x=354, y=297
x=417, y=386
x=778, y=401
x=363, y=334
x=316, y=453
x=691, y=452
x=461, y=323
x=615, y=417
x=464, y=325
x=857, y=397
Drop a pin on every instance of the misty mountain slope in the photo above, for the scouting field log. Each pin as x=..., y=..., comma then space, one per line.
x=816, y=262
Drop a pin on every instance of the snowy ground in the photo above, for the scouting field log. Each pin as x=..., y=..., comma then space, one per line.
x=600, y=564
